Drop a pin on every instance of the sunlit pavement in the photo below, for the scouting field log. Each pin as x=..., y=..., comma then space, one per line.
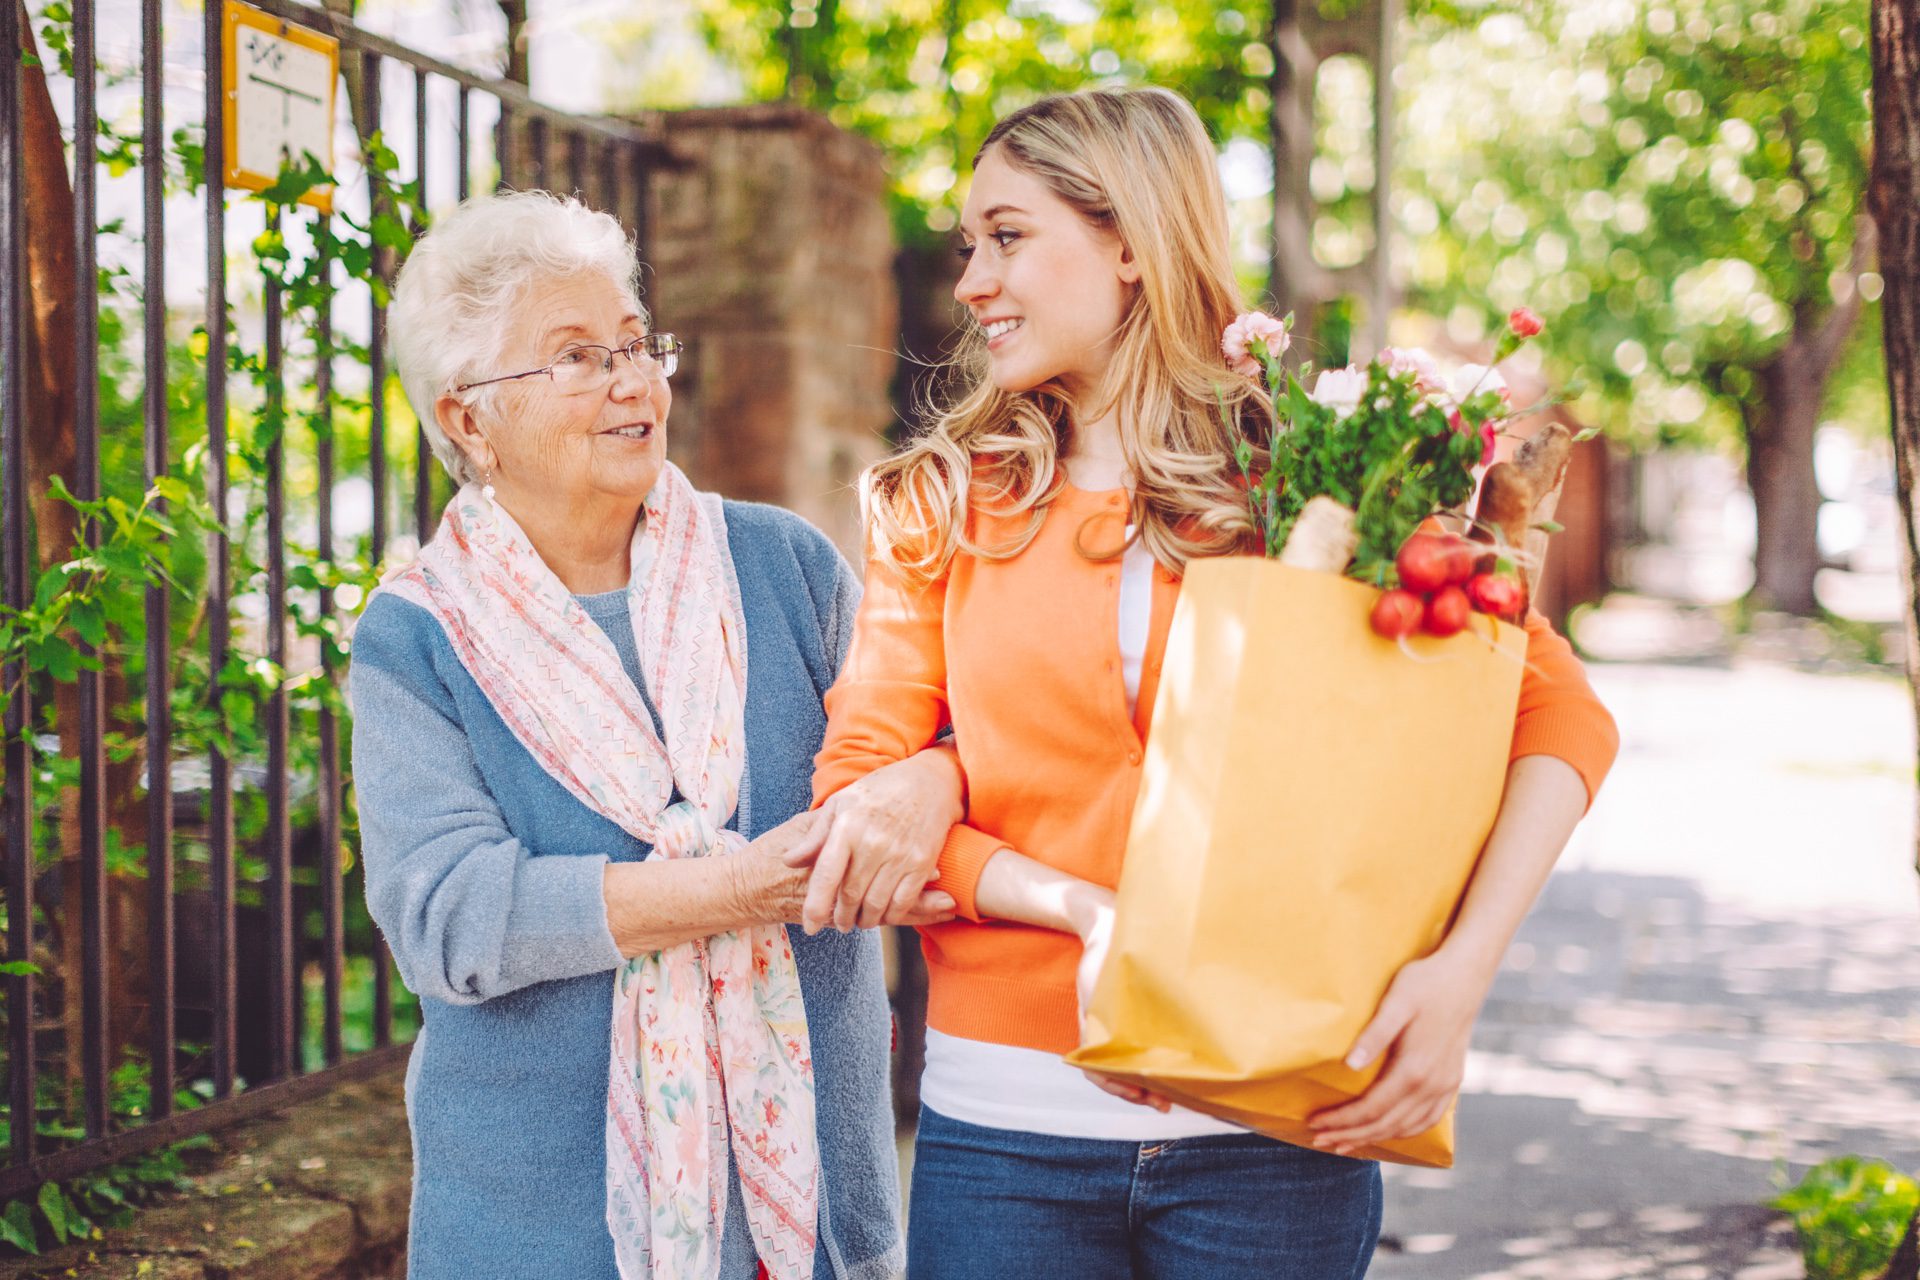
x=1720, y=986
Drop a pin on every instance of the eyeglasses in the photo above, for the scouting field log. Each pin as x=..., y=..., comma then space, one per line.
x=587, y=366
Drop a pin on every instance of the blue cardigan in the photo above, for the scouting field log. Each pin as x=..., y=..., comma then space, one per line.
x=484, y=874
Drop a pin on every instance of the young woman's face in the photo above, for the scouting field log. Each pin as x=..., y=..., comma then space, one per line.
x=1048, y=288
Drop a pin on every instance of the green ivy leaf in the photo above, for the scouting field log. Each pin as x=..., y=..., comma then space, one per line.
x=16, y=1227
x=53, y=1203
x=56, y=657
x=88, y=623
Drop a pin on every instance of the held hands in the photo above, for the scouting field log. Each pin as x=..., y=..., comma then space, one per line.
x=779, y=866
x=1423, y=1026
x=882, y=845
x=1093, y=915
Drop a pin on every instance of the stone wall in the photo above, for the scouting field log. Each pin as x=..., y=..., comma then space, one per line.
x=769, y=251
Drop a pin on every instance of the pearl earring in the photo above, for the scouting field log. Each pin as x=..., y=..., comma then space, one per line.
x=486, y=485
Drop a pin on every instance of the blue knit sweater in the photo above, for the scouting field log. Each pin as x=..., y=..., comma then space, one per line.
x=485, y=876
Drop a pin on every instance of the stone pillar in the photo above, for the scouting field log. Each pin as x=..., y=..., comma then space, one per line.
x=770, y=252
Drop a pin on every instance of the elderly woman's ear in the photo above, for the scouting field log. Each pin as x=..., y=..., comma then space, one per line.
x=457, y=421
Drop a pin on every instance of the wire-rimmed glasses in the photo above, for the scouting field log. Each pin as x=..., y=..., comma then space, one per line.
x=588, y=366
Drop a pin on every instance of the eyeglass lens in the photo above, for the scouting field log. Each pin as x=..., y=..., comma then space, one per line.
x=588, y=365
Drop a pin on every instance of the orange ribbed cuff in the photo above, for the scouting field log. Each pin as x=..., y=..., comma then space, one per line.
x=962, y=858
x=1584, y=736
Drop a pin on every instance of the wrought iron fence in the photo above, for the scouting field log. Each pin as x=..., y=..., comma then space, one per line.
x=251, y=1059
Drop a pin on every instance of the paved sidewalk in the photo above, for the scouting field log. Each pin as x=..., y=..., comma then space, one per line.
x=1720, y=987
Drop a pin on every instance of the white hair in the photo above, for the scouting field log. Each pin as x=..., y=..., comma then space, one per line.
x=455, y=298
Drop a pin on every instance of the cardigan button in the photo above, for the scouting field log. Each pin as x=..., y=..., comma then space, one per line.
x=1133, y=757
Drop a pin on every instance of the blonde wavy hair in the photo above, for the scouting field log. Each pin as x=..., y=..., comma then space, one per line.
x=1136, y=162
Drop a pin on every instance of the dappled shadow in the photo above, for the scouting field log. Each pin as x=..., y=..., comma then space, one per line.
x=1651, y=1063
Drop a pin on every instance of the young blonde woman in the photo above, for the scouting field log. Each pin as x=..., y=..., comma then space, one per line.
x=1026, y=555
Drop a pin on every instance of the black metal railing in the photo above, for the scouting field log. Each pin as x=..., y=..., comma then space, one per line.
x=608, y=163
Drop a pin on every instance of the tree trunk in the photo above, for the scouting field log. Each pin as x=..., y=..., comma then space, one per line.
x=51, y=334
x=1893, y=195
x=1781, y=417
x=52, y=337
x=1293, y=277
x=1905, y=1263
x=517, y=69
x=1782, y=413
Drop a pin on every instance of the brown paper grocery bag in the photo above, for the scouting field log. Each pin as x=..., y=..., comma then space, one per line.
x=1313, y=803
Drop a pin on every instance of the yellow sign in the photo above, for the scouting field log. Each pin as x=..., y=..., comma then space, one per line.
x=280, y=99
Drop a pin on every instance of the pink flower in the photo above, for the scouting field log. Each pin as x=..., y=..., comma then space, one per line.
x=1340, y=389
x=1461, y=425
x=1524, y=322
x=1416, y=361
x=1238, y=342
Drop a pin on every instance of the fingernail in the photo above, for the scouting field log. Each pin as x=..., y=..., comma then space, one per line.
x=941, y=902
x=1357, y=1060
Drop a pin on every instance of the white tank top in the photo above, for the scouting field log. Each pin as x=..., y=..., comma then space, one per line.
x=1002, y=1086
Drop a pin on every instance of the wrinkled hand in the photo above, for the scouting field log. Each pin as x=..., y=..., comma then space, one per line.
x=1096, y=940
x=1423, y=1026
x=883, y=844
x=777, y=862
x=782, y=864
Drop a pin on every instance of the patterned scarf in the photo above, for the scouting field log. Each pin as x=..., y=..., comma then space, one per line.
x=707, y=1032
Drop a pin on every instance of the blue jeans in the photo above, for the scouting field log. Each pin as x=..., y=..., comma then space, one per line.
x=1008, y=1205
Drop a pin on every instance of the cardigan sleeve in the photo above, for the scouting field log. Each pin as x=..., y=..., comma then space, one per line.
x=469, y=911
x=1559, y=715
x=889, y=701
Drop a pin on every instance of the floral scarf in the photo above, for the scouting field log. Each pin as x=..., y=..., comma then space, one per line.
x=709, y=1034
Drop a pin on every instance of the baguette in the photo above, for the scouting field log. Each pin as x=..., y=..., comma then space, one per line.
x=1544, y=458
x=1323, y=538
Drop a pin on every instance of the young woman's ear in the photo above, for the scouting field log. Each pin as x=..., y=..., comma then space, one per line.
x=1129, y=269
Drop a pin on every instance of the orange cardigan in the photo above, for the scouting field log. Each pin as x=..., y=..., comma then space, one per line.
x=1022, y=657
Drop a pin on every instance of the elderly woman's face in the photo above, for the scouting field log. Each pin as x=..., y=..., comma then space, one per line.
x=554, y=446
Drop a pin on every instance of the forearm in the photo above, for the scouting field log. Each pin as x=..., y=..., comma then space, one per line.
x=663, y=902
x=1014, y=887
x=1545, y=798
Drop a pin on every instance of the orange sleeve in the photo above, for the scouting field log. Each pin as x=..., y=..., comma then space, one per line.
x=1559, y=715
x=890, y=701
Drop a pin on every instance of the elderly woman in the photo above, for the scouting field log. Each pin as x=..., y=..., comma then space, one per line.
x=584, y=719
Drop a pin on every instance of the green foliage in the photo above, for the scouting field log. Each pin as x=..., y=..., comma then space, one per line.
x=1394, y=459
x=927, y=79
x=88, y=610
x=1673, y=184
x=79, y=1208
x=1851, y=1213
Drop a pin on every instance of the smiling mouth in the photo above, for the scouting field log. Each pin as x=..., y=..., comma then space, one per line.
x=1000, y=328
x=638, y=431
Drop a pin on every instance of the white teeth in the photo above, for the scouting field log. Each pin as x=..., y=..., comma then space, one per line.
x=632, y=433
x=999, y=327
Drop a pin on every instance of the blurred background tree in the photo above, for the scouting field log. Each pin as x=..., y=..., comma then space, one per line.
x=1677, y=185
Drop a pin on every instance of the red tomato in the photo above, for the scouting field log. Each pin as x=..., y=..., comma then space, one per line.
x=1458, y=555
x=1422, y=563
x=1495, y=593
x=1447, y=612
x=1396, y=613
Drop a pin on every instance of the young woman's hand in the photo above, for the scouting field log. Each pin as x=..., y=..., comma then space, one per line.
x=883, y=843
x=1423, y=1026
x=1425, y=1020
x=1092, y=912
